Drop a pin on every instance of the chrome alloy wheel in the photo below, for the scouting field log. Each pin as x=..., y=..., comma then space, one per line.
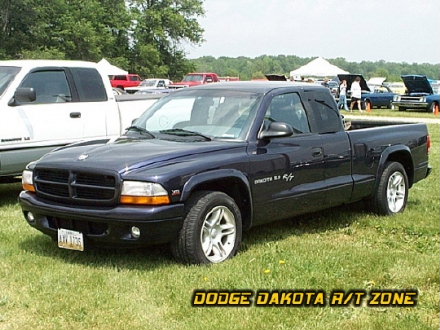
x=218, y=234
x=396, y=191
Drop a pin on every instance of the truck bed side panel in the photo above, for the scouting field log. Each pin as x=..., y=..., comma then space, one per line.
x=371, y=147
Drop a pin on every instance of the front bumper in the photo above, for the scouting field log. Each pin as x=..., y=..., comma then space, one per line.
x=105, y=226
x=411, y=104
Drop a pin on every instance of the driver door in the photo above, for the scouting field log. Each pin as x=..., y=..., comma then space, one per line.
x=287, y=173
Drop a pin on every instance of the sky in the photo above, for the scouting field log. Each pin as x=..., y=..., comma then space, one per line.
x=357, y=30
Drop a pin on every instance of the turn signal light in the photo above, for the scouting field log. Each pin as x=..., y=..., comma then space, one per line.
x=145, y=200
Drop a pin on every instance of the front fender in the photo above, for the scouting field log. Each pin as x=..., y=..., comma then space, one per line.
x=218, y=176
x=213, y=175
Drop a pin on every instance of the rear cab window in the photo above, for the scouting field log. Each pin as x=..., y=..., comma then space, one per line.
x=324, y=116
x=89, y=85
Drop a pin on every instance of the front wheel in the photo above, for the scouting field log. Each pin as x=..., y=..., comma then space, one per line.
x=211, y=231
x=392, y=191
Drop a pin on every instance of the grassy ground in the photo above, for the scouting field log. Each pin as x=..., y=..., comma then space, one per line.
x=43, y=287
x=392, y=113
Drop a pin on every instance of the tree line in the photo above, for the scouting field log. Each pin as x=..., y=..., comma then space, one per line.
x=141, y=36
x=146, y=37
x=254, y=68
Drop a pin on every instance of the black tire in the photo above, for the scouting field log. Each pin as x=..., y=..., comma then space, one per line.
x=368, y=105
x=433, y=106
x=391, y=195
x=201, y=242
x=402, y=109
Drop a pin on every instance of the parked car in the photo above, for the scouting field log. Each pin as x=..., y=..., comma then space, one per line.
x=125, y=80
x=381, y=96
x=205, y=163
x=195, y=79
x=372, y=96
x=420, y=95
x=397, y=87
x=118, y=91
x=148, y=84
x=47, y=104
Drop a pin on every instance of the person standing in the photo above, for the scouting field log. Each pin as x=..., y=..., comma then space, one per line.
x=356, y=93
x=343, y=95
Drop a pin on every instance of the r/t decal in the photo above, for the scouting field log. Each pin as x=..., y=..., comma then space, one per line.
x=288, y=177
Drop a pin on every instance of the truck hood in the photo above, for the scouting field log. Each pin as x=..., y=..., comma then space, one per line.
x=351, y=77
x=126, y=155
x=417, y=84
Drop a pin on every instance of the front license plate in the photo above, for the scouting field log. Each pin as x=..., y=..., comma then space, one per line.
x=70, y=239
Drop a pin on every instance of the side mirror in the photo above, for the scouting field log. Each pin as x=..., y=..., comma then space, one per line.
x=276, y=129
x=23, y=95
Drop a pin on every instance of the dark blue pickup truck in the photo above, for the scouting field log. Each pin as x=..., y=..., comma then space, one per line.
x=205, y=163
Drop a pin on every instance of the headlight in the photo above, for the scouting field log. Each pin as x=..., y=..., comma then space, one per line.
x=27, y=180
x=423, y=99
x=145, y=193
x=396, y=98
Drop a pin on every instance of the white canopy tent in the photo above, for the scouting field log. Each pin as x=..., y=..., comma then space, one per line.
x=108, y=69
x=319, y=67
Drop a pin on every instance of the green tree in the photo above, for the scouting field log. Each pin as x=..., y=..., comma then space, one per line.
x=143, y=36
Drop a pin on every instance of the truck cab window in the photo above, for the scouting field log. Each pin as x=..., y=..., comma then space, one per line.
x=49, y=86
x=288, y=108
x=89, y=84
x=325, y=111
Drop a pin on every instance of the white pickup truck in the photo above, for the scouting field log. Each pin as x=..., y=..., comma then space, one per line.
x=45, y=104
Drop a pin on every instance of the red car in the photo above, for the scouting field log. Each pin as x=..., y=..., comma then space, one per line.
x=195, y=79
x=126, y=80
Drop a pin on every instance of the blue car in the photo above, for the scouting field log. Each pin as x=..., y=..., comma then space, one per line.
x=422, y=94
x=381, y=96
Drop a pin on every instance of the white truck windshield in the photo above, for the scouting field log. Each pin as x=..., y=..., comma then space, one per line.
x=7, y=74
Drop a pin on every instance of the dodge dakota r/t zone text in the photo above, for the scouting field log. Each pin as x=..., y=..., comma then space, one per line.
x=205, y=163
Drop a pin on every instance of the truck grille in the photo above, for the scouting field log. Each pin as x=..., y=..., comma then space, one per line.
x=410, y=98
x=77, y=187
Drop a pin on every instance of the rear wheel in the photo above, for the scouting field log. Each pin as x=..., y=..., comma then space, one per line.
x=392, y=191
x=434, y=108
x=368, y=105
x=211, y=231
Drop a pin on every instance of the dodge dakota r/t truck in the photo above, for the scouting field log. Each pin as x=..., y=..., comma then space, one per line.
x=46, y=104
x=205, y=163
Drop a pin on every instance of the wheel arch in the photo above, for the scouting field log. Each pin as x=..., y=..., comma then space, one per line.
x=229, y=181
x=400, y=154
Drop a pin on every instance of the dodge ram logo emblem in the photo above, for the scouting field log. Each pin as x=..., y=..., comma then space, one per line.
x=83, y=156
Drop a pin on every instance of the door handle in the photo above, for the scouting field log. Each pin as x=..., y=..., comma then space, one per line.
x=75, y=115
x=316, y=152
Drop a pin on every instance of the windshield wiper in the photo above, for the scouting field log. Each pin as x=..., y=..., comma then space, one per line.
x=184, y=132
x=140, y=129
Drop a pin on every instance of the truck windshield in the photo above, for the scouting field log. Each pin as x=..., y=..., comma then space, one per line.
x=7, y=74
x=149, y=83
x=214, y=113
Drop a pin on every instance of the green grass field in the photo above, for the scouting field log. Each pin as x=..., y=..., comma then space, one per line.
x=392, y=113
x=43, y=287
